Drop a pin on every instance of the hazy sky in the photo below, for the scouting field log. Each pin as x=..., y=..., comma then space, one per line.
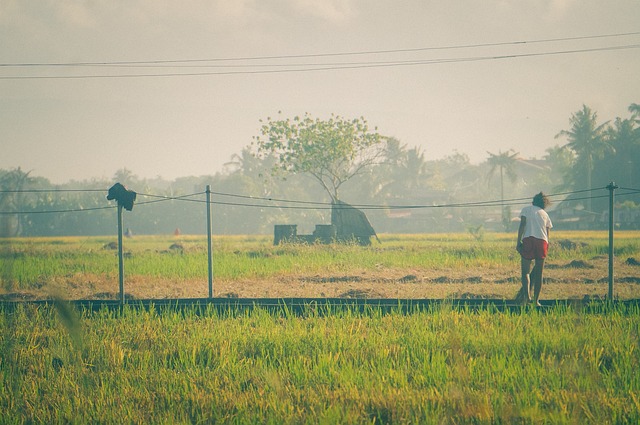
x=422, y=87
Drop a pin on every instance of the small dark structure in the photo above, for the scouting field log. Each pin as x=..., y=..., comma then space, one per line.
x=348, y=224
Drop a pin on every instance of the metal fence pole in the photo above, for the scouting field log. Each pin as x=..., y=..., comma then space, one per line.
x=120, y=255
x=612, y=187
x=209, y=245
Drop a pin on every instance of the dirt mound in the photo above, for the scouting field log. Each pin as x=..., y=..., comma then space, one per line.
x=408, y=278
x=110, y=296
x=632, y=262
x=628, y=279
x=18, y=296
x=472, y=296
x=110, y=245
x=446, y=279
x=360, y=294
x=579, y=264
x=568, y=244
x=332, y=279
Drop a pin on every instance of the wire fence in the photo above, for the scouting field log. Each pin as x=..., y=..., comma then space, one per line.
x=205, y=198
x=30, y=212
x=279, y=203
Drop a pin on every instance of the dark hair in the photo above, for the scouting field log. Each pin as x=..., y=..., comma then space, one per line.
x=541, y=200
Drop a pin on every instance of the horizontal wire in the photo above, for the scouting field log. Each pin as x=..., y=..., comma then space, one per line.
x=79, y=209
x=313, y=205
x=52, y=190
x=316, y=55
x=493, y=203
x=56, y=211
x=362, y=65
x=404, y=206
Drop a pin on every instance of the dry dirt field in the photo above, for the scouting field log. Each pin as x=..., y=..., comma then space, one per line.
x=574, y=280
x=566, y=276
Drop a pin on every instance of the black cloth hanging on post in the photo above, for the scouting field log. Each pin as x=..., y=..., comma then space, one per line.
x=125, y=197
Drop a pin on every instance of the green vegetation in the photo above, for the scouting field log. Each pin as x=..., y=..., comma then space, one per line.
x=439, y=365
x=30, y=263
x=367, y=168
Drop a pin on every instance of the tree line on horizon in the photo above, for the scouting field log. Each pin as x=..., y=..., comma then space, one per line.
x=306, y=160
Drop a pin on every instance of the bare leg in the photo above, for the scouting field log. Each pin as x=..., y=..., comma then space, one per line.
x=526, y=281
x=536, y=277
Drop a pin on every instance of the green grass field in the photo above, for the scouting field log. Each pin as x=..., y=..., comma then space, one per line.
x=437, y=265
x=435, y=366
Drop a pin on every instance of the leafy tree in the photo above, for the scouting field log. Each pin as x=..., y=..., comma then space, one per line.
x=505, y=163
x=561, y=160
x=414, y=168
x=331, y=151
x=403, y=171
x=125, y=177
x=248, y=165
x=587, y=139
x=634, y=108
x=624, y=156
x=11, y=200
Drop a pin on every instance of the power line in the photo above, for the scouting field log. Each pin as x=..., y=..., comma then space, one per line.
x=52, y=190
x=73, y=210
x=318, y=55
x=306, y=205
x=295, y=68
x=517, y=201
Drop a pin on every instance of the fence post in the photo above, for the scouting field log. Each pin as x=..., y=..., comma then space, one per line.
x=120, y=255
x=612, y=187
x=209, y=245
x=125, y=199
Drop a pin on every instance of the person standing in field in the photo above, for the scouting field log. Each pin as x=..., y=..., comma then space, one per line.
x=533, y=245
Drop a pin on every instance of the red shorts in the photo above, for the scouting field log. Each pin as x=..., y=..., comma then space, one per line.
x=534, y=248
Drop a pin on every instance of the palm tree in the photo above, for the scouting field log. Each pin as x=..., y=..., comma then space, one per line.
x=561, y=160
x=587, y=139
x=624, y=138
x=125, y=177
x=415, y=168
x=505, y=163
x=248, y=164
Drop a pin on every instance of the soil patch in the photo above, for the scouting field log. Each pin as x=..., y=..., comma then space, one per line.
x=575, y=264
x=361, y=294
x=408, y=278
x=18, y=296
x=628, y=279
x=575, y=279
x=632, y=261
x=110, y=296
x=331, y=279
x=446, y=279
x=472, y=296
x=568, y=244
x=579, y=264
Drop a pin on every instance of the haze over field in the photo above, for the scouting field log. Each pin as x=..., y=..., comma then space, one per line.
x=90, y=88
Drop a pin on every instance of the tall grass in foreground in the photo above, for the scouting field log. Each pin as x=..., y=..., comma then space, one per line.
x=439, y=365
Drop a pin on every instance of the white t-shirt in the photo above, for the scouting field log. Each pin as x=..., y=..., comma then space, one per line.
x=537, y=222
